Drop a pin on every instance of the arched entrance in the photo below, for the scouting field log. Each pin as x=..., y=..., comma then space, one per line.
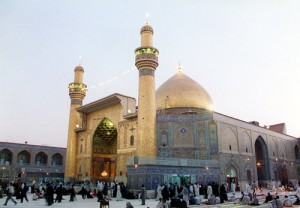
x=262, y=160
x=104, y=151
x=231, y=175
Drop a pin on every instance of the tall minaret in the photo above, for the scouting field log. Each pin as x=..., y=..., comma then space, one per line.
x=146, y=60
x=77, y=93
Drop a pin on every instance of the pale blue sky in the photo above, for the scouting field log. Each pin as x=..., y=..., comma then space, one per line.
x=246, y=54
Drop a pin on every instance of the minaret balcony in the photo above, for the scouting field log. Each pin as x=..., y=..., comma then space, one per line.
x=77, y=91
x=146, y=55
x=77, y=87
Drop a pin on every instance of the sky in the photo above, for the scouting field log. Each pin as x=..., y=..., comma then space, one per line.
x=246, y=54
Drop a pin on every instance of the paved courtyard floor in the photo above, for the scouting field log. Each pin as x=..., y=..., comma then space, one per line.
x=92, y=203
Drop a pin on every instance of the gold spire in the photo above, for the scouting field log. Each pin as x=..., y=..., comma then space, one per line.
x=179, y=68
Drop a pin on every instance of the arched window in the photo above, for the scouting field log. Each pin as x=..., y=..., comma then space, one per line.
x=23, y=158
x=5, y=156
x=231, y=172
x=297, y=155
x=41, y=159
x=131, y=140
x=57, y=159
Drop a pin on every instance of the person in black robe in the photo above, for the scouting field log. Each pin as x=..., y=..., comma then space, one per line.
x=49, y=195
x=268, y=198
x=24, y=192
x=99, y=196
x=165, y=193
x=105, y=189
x=223, y=194
x=115, y=190
x=83, y=192
x=72, y=194
x=143, y=194
x=59, y=193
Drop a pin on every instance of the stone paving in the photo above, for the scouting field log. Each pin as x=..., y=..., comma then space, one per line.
x=92, y=203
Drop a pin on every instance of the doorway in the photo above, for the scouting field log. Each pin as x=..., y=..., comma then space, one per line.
x=262, y=160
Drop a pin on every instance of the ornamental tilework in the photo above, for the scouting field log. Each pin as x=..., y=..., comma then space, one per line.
x=183, y=118
x=177, y=170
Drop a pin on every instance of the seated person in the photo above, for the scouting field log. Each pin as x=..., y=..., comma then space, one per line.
x=94, y=193
x=35, y=196
x=38, y=193
x=278, y=203
x=268, y=198
x=165, y=203
x=241, y=199
x=254, y=200
x=195, y=200
x=129, y=205
x=212, y=199
x=89, y=195
x=297, y=202
x=287, y=202
x=160, y=204
x=42, y=193
x=245, y=200
x=218, y=200
x=232, y=198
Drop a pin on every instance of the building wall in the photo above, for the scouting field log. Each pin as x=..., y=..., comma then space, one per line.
x=32, y=170
x=241, y=136
x=127, y=146
x=189, y=136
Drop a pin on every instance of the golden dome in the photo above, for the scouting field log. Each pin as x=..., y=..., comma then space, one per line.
x=182, y=91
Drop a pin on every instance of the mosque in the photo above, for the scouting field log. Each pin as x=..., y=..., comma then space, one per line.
x=172, y=135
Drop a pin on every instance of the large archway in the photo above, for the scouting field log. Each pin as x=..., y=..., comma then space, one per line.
x=104, y=151
x=262, y=160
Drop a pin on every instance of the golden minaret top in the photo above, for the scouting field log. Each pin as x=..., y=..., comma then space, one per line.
x=146, y=56
x=77, y=89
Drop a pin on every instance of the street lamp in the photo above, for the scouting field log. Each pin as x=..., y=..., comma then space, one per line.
x=40, y=175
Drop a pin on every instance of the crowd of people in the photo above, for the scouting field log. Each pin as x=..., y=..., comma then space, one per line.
x=249, y=197
x=190, y=194
x=167, y=195
x=47, y=191
x=193, y=194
